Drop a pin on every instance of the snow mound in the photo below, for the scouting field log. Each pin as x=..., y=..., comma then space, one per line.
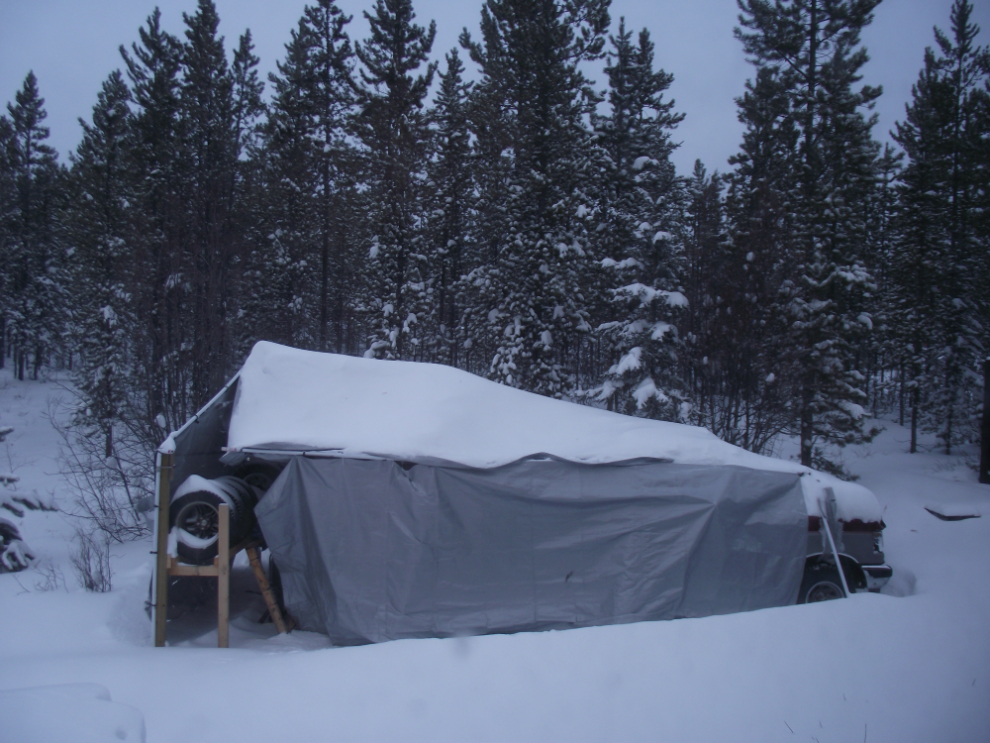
x=83, y=713
x=295, y=400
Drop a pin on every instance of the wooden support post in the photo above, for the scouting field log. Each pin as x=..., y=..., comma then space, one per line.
x=266, y=590
x=165, y=465
x=223, y=578
x=220, y=569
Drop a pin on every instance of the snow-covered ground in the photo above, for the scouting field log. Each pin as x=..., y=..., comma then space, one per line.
x=912, y=664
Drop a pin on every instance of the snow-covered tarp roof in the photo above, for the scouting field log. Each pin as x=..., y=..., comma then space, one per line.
x=294, y=400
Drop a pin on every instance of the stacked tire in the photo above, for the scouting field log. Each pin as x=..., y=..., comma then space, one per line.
x=194, y=515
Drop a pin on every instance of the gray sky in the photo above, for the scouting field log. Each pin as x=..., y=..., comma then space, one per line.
x=72, y=47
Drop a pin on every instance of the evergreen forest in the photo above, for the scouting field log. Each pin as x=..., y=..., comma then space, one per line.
x=523, y=222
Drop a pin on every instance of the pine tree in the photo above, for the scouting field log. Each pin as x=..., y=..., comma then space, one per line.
x=941, y=310
x=531, y=297
x=248, y=89
x=749, y=363
x=302, y=271
x=451, y=215
x=705, y=282
x=393, y=127
x=15, y=555
x=281, y=286
x=36, y=306
x=880, y=349
x=812, y=50
x=103, y=286
x=332, y=94
x=214, y=244
x=159, y=221
x=107, y=453
x=8, y=216
x=194, y=115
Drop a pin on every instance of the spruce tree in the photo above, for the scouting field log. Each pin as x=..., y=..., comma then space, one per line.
x=452, y=208
x=8, y=215
x=36, y=270
x=281, y=287
x=302, y=274
x=214, y=240
x=532, y=300
x=642, y=237
x=392, y=126
x=332, y=94
x=941, y=308
x=812, y=50
x=158, y=217
x=102, y=177
x=748, y=354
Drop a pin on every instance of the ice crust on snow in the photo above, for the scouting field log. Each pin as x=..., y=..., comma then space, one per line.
x=297, y=400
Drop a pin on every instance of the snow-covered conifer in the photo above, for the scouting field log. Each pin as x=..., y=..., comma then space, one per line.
x=641, y=233
x=451, y=213
x=811, y=53
x=393, y=127
x=532, y=303
x=939, y=270
x=35, y=308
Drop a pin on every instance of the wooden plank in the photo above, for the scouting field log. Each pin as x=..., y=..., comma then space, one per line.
x=165, y=464
x=223, y=579
x=266, y=589
x=202, y=571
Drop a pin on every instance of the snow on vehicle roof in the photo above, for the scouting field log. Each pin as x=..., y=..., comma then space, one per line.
x=297, y=400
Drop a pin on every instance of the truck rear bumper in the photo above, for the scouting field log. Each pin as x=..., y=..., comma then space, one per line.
x=877, y=576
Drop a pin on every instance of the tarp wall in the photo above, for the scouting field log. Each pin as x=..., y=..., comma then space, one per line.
x=198, y=445
x=371, y=551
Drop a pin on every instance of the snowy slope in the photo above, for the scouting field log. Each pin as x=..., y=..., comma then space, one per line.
x=907, y=666
x=303, y=400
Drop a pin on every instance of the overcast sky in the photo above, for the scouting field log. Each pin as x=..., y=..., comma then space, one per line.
x=72, y=46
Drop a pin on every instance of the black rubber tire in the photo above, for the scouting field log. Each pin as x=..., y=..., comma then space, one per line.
x=197, y=514
x=259, y=475
x=821, y=583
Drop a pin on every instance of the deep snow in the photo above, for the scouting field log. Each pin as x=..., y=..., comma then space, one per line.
x=908, y=665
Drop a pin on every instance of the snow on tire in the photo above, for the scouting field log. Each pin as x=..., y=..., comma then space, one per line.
x=194, y=515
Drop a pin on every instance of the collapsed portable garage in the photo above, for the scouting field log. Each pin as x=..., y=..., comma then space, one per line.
x=417, y=500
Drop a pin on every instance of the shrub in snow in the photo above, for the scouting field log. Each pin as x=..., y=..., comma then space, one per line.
x=91, y=561
x=111, y=492
x=15, y=555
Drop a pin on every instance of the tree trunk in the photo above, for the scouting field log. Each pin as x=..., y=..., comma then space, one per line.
x=807, y=428
x=914, y=420
x=985, y=428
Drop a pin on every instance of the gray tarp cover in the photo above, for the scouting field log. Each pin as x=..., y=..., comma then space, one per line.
x=371, y=551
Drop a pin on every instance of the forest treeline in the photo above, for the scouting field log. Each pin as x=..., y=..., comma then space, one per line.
x=528, y=226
